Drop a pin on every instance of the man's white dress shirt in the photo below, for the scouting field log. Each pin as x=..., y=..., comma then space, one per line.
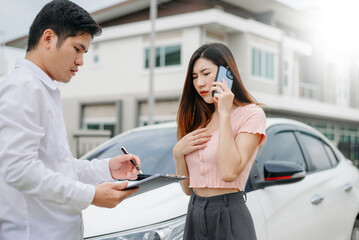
x=42, y=187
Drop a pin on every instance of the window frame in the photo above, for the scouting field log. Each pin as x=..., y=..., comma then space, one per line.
x=256, y=176
x=116, y=122
x=102, y=151
x=162, y=56
x=292, y=131
x=260, y=66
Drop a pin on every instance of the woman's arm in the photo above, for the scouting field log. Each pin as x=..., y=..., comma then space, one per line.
x=234, y=153
x=182, y=170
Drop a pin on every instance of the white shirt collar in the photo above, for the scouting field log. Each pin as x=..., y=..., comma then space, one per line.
x=38, y=72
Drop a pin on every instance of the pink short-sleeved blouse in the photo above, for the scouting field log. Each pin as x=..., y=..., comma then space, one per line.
x=203, y=164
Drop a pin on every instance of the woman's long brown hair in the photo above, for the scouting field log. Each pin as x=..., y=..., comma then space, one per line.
x=193, y=112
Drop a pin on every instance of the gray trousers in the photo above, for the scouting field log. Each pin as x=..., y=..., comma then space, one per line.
x=220, y=217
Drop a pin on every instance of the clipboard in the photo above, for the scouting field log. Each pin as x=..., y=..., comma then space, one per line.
x=152, y=182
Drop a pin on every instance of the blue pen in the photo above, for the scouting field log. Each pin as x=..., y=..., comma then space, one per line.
x=132, y=161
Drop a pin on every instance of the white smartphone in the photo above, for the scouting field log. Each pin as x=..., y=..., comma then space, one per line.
x=224, y=73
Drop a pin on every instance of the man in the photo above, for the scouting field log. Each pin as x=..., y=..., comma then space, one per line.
x=42, y=187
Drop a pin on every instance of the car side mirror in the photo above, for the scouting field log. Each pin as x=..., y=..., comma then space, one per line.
x=281, y=172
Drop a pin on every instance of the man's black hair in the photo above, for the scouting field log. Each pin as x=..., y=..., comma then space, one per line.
x=65, y=18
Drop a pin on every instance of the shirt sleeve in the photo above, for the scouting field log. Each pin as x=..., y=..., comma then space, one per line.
x=22, y=107
x=255, y=123
x=93, y=172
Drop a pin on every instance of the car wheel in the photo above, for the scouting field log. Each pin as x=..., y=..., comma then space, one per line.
x=355, y=232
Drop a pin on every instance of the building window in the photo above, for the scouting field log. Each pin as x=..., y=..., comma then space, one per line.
x=100, y=117
x=262, y=64
x=101, y=126
x=165, y=56
x=165, y=110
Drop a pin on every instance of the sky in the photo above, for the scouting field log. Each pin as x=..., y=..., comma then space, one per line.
x=16, y=16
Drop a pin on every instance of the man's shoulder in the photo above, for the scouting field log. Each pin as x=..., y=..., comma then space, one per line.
x=22, y=86
x=18, y=75
x=19, y=78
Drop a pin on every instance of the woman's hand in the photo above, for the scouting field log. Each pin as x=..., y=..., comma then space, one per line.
x=191, y=142
x=224, y=97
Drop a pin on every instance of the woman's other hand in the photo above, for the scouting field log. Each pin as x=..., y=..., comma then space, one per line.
x=191, y=142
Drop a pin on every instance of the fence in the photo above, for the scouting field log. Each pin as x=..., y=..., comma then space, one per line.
x=350, y=151
x=87, y=140
x=309, y=91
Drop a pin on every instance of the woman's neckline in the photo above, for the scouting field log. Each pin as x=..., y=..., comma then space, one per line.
x=232, y=113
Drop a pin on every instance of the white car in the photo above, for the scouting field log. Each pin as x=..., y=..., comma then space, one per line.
x=300, y=187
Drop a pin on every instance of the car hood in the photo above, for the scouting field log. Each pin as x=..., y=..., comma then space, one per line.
x=141, y=210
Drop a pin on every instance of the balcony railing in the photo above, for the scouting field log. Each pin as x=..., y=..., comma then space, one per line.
x=87, y=140
x=309, y=91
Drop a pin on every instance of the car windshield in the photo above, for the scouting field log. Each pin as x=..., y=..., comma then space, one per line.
x=153, y=146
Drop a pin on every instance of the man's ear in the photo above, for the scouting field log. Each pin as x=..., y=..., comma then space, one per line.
x=48, y=39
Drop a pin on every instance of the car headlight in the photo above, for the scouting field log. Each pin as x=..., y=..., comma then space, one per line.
x=168, y=230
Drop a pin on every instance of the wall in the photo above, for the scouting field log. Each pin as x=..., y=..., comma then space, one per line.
x=8, y=57
x=120, y=75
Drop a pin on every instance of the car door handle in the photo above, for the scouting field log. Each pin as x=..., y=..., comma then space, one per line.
x=348, y=187
x=317, y=199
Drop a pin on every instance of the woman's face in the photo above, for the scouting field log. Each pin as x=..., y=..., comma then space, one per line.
x=204, y=73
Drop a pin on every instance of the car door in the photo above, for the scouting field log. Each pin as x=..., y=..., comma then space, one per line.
x=338, y=179
x=287, y=208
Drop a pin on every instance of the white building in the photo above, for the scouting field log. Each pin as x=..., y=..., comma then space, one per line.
x=8, y=56
x=278, y=63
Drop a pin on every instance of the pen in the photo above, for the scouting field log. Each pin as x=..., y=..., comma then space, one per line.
x=132, y=161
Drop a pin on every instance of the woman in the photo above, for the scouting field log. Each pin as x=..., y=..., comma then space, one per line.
x=219, y=138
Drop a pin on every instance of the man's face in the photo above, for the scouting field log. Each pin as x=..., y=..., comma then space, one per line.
x=63, y=62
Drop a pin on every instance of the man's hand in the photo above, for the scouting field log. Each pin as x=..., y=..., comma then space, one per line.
x=122, y=168
x=110, y=194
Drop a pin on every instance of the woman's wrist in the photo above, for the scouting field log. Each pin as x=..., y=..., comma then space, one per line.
x=176, y=154
x=178, y=157
x=224, y=118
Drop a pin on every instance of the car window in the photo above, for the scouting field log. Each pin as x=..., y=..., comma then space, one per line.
x=331, y=156
x=319, y=159
x=153, y=146
x=282, y=146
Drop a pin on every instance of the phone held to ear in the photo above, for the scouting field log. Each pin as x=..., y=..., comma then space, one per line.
x=224, y=73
